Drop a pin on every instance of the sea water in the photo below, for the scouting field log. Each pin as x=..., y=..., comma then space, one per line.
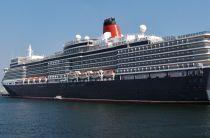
x=55, y=118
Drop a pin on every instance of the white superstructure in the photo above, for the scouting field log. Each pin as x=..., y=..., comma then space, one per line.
x=106, y=58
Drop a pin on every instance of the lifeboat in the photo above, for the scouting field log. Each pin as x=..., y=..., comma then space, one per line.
x=31, y=80
x=96, y=74
x=83, y=75
x=109, y=73
x=36, y=79
x=72, y=75
x=18, y=81
x=89, y=72
x=25, y=81
x=43, y=79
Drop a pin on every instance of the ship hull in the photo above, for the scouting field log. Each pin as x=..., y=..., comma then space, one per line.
x=168, y=89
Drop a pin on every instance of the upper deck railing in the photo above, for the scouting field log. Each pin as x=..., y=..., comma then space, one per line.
x=193, y=34
x=120, y=41
x=170, y=38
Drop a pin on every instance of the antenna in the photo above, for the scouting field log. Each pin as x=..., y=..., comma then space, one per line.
x=30, y=51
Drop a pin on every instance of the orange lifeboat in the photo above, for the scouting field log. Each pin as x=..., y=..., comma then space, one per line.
x=25, y=81
x=83, y=75
x=31, y=80
x=43, y=79
x=96, y=74
x=108, y=73
x=72, y=75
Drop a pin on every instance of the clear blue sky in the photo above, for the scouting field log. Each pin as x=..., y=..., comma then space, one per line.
x=47, y=24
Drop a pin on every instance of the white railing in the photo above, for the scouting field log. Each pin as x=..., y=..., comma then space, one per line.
x=170, y=38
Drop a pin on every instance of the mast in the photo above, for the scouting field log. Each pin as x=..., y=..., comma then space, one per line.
x=30, y=51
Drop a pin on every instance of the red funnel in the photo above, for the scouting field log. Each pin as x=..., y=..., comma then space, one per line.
x=111, y=26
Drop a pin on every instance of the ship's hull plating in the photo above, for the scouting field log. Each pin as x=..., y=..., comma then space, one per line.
x=168, y=89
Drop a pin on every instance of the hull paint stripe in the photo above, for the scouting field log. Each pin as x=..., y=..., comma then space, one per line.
x=110, y=100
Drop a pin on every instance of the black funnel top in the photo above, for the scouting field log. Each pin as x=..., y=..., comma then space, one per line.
x=109, y=21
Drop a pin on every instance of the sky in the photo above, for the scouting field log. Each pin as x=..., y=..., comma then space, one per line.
x=48, y=24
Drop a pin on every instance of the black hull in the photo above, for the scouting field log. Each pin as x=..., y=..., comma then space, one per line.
x=177, y=89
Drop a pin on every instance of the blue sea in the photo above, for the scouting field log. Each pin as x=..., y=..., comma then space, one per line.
x=24, y=118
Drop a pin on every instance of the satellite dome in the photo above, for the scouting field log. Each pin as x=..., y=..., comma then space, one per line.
x=143, y=28
x=78, y=37
x=107, y=35
x=87, y=38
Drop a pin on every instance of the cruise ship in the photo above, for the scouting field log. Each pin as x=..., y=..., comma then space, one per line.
x=117, y=68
